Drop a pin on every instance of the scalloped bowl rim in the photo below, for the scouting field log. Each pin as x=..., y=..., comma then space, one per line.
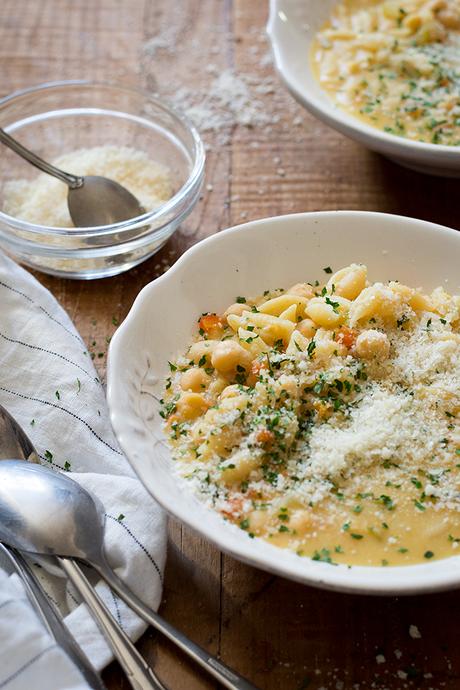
x=131, y=431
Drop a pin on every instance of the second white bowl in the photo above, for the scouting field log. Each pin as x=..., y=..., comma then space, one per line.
x=291, y=28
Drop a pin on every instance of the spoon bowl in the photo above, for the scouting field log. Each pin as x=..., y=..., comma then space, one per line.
x=92, y=200
x=48, y=513
x=100, y=201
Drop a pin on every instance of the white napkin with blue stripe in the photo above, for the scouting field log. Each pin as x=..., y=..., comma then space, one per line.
x=48, y=383
x=42, y=663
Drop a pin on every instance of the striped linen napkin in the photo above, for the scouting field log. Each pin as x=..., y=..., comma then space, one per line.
x=48, y=383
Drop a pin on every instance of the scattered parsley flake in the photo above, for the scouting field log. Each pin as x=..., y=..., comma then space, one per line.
x=311, y=348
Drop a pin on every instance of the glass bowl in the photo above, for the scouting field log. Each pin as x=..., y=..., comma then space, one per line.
x=59, y=117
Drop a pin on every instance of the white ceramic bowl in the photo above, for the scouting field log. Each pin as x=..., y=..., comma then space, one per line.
x=291, y=28
x=244, y=261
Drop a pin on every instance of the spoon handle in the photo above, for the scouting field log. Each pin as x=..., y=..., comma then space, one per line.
x=225, y=675
x=139, y=674
x=72, y=181
x=48, y=615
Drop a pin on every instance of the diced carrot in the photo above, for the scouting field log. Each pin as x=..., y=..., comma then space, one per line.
x=256, y=368
x=235, y=507
x=265, y=437
x=211, y=324
x=346, y=336
x=323, y=408
x=209, y=321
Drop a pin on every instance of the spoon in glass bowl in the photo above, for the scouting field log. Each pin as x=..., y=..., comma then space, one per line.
x=92, y=200
x=46, y=512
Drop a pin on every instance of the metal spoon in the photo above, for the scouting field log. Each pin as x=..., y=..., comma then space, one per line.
x=42, y=511
x=92, y=200
x=13, y=561
x=14, y=442
x=17, y=530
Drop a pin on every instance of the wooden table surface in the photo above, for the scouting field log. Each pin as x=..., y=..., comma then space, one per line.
x=279, y=634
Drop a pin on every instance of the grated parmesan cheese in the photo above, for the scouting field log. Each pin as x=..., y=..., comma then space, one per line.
x=43, y=200
x=320, y=436
x=414, y=632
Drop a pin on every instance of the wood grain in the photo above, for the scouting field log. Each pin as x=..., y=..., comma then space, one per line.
x=283, y=636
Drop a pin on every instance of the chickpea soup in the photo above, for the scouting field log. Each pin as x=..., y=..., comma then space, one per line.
x=396, y=65
x=324, y=419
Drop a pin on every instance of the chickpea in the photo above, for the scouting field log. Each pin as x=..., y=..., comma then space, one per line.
x=228, y=355
x=349, y=282
x=307, y=328
x=371, y=344
x=413, y=22
x=194, y=379
x=203, y=348
x=190, y=405
x=450, y=18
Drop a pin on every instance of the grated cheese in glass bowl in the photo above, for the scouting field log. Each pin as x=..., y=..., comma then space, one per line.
x=94, y=129
x=43, y=199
